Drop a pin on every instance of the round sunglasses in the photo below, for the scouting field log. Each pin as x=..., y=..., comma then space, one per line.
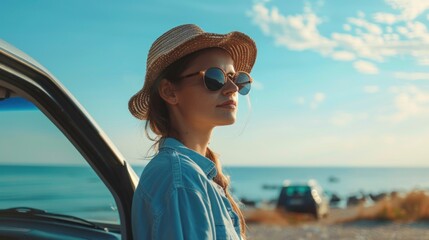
x=215, y=78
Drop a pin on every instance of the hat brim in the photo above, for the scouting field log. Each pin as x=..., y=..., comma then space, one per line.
x=240, y=46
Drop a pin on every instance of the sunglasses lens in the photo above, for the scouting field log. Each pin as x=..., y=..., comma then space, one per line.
x=243, y=82
x=214, y=79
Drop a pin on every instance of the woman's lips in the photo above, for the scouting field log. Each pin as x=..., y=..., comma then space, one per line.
x=228, y=104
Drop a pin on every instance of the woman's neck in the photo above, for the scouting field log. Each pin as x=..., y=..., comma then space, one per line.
x=195, y=140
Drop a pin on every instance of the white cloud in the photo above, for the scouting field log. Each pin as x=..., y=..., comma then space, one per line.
x=363, y=38
x=389, y=29
x=410, y=102
x=342, y=119
x=402, y=30
x=300, y=100
x=409, y=9
x=315, y=101
x=371, y=89
x=412, y=75
x=347, y=27
x=361, y=14
x=394, y=89
x=343, y=56
x=386, y=18
x=365, y=67
x=370, y=27
x=318, y=98
x=417, y=30
x=297, y=32
x=424, y=61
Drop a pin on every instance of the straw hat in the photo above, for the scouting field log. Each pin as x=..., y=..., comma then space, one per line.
x=181, y=41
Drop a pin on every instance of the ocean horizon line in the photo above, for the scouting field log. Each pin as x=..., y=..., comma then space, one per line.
x=225, y=166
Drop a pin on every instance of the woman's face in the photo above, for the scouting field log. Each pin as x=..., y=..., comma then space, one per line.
x=203, y=107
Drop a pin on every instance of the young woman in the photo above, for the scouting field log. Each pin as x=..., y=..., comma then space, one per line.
x=192, y=83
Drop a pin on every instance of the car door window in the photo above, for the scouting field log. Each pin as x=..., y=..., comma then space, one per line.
x=40, y=168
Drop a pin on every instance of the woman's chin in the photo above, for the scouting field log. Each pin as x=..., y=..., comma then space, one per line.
x=226, y=121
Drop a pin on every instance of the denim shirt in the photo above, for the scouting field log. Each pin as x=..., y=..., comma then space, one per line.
x=177, y=198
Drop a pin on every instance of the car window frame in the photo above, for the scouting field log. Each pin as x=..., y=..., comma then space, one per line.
x=38, y=86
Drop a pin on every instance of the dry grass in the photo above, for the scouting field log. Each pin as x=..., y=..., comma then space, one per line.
x=412, y=206
x=409, y=207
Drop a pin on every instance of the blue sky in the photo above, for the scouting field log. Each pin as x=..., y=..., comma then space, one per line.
x=336, y=82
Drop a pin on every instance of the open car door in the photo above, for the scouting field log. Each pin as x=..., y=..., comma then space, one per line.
x=26, y=83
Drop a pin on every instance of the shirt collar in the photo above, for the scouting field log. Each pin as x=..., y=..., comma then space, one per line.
x=204, y=163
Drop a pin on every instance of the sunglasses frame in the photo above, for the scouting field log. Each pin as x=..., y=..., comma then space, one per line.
x=227, y=77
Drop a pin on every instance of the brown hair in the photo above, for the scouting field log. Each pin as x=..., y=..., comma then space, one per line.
x=158, y=121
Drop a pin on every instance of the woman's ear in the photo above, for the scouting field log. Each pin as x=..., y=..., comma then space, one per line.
x=167, y=91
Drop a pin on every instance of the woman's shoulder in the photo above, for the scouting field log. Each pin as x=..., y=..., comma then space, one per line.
x=170, y=169
x=170, y=161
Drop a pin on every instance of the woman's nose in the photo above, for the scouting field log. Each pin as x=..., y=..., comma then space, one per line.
x=230, y=87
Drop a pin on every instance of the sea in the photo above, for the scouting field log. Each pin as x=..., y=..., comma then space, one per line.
x=77, y=190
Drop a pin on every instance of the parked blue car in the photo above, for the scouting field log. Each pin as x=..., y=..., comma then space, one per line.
x=304, y=198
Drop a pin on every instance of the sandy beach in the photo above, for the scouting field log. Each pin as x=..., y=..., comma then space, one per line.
x=363, y=230
x=340, y=224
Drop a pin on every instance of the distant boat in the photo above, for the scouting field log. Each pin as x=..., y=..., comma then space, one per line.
x=271, y=186
x=333, y=179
